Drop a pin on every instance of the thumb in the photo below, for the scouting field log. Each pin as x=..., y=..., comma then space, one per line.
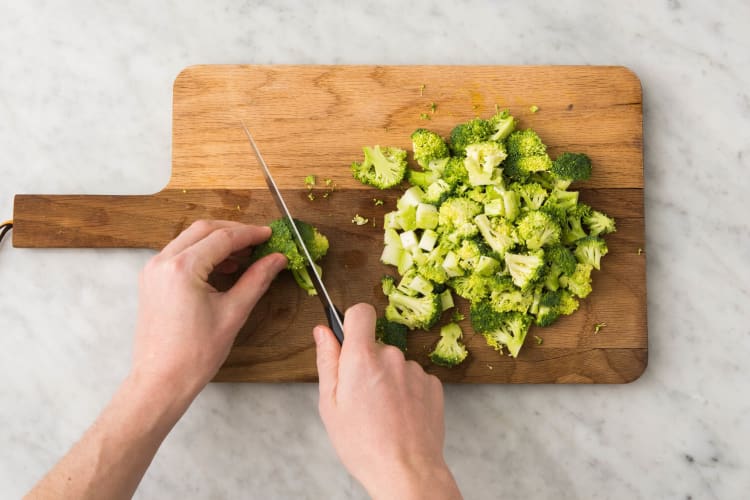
x=328, y=351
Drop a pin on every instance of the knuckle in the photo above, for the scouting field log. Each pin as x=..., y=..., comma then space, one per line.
x=202, y=225
x=180, y=264
x=392, y=354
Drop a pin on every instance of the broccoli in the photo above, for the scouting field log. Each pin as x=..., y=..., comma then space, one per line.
x=579, y=283
x=526, y=154
x=572, y=228
x=428, y=146
x=471, y=132
x=560, y=260
x=391, y=333
x=599, y=223
x=590, y=250
x=473, y=287
x=548, y=308
x=568, y=304
x=506, y=297
x=422, y=178
x=502, y=124
x=413, y=312
x=497, y=232
x=500, y=329
x=449, y=350
x=481, y=161
x=456, y=217
x=537, y=229
x=437, y=192
x=572, y=166
x=282, y=240
x=468, y=254
x=524, y=268
x=382, y=167
x=455, y=173
x=532, y=193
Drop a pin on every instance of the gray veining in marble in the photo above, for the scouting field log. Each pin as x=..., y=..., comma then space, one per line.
x=85, y=107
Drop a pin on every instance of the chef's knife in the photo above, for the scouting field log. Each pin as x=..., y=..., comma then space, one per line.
x=335, y=318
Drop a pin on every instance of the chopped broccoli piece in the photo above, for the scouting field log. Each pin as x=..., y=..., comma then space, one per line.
x=500, y=329
x=456, y=217
x=522, y=143
x=498, y=233
x=310, y=181
x=391, y=333
x=437, y=192
x=533, y=108
x=548, y=308
x=599, y=223
x=472, y=287
x=568, y=304
x=413, y=312
x=316, y=243
x=579, y=283
x=428, y=146
x=572, y=166
x=455, y=172
x=560, y=260
x=524, y=268
x=449, y=350
x=572, y=227
x=382, y=167
x=471, y=132
x=506, y=297
x=590, y=250
x=598, y=327
x=422, y=178
x=481, y=161
x=532, y=193
x=359, y=220
x=537, y=229
x=502, y=124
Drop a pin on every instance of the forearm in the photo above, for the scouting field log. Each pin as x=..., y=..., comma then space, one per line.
x=112, y=456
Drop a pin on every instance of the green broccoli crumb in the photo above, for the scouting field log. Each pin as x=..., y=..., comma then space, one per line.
x=539, y=340
x=421, y=89
x=533, y=108
x=424, y=116
x=458, y=316
x=598, y=327
x=310, y=181
x=311, y=196
x=377, y=202
x=433, y=107
x=359, y=220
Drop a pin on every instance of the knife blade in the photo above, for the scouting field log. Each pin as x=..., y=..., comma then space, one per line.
x=333, y=314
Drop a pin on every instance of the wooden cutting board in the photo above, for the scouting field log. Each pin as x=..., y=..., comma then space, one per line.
x=314, y=120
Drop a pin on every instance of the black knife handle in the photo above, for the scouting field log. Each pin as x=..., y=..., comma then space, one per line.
x=335, y=325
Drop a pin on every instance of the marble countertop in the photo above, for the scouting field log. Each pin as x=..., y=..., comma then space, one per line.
x=85, y=100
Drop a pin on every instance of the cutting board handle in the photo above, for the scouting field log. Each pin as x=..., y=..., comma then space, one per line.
x=129, y=221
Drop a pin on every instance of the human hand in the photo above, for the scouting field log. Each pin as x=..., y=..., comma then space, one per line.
x=384, y=414
x=185, y=326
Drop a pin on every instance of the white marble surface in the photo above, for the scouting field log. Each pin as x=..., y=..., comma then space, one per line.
x=85, y=103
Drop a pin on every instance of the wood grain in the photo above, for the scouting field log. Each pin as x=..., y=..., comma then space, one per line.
x=314, y=119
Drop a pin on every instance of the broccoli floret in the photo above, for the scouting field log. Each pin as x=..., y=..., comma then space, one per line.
x=497, y=232
x=428, y=146
x=590, y=250
x=537, y=229
x=502, y=124
x=473, y=287
x=388, y=284
x=449, y=350
x=456, y=217
x=572, y=166
x=282, y=240
x=560, y=260
x=471, y=132
x=382, y=167
x=506, y=297
x=432, y=269
x=455, y=173
x=548, y=308
x=500, y=329
x=481, y=161
x=572, y=228
x=391, y=333
x=525, y=268
x=523, y=143
x=437, y=192
x=579, y=283
x=468, y=254
x=533, y=194
x=599, y=223
x=568, y=304
x=413, y=312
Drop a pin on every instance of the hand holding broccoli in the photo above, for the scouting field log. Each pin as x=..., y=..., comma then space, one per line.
x=384, y=414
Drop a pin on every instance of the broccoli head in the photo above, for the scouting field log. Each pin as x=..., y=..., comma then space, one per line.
x=568, y=304
x=456, y=217
x=471, y=132
x=572, y=226
x=590, y=250
x=560, y=260
x=455, y=172
x=482, y=158
x=548, y=311
x=473, y=287
x=316, y=243
x=533, y=194
x=413, y=312
x=421, y=178
x=391, y=333
x=500, y=330
x=522, y=143
x=572, y=166
x=524, y=269
x=449, y=350
x=497, y=232
x=579, y=283
x=382, y=167
x=428, y=146
x=506, y=297
x=599, y=223
x=537, y=229
x=502, y=125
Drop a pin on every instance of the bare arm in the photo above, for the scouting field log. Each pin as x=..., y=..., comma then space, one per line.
x=384, y=414
x=184, y=333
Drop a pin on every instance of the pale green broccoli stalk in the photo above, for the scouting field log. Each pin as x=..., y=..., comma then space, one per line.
x=382, y=167
x=599, y=223
x=422, y=178
x=449, y=350
x=537, y=229
x=391, y=333
x=572, y=166
x=283, y=241
x=579, y=283
x=590, y=250
x=428, y=146
x=500, y=330
x=525, y=268
x=471, y=132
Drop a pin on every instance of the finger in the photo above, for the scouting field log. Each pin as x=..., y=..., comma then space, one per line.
x=221, y=243
x=327, y=359
x=359, y=327
x=194, y=233
x=254, y=282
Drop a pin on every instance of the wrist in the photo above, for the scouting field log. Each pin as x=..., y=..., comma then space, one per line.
x=165, y=400
x=415, y=480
